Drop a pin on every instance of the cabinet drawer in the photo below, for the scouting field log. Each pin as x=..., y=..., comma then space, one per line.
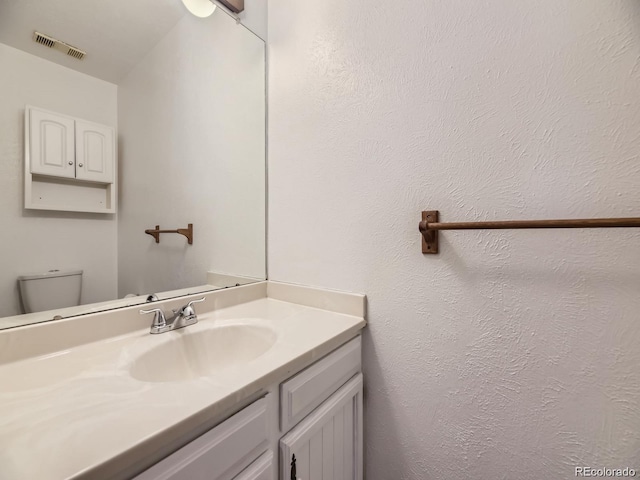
x=308, y=389
x=261, y=469
x=219, y=454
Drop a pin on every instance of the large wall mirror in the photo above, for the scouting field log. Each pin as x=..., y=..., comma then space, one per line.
x=186, y=98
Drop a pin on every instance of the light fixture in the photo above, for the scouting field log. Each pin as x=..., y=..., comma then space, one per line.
x=200, y=8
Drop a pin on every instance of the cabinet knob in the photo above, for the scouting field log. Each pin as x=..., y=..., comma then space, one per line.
x=70, y=163
x=294, y=475
x=80, y=165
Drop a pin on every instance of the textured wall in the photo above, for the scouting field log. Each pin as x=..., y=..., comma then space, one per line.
x=36, y=240
x=511, y=354
x=192, y=150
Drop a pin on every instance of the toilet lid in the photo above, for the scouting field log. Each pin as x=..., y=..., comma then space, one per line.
x=50, y=274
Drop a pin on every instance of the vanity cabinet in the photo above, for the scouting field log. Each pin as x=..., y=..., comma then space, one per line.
x=304, y=392
x=70, y=163
x=261, y=469
x=314, y=420
x=327, y=443
x=221, y=453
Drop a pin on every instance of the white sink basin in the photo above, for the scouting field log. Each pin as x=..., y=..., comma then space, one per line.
x=192, y=354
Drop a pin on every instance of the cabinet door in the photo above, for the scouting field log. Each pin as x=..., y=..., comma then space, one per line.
x=51, y=145
x=95, y=152
x=327, y=444
x=261, y=469
x=221, y=453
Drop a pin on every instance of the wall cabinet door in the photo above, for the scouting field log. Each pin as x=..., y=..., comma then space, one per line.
x=327, y=444
x=94, y=152
x=51, y=144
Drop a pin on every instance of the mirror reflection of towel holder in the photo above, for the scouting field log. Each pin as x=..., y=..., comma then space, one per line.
x=187, y=232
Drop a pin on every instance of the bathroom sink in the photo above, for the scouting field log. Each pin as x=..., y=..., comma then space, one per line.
x=188, y=354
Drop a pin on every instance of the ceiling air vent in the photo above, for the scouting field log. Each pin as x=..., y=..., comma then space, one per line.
x=65, y=48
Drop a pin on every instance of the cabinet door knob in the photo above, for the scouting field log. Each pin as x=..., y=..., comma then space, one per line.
x=293, y=468
x=80, y=165
x=70, y=163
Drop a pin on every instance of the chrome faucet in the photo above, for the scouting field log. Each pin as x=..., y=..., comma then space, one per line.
x=182, y=317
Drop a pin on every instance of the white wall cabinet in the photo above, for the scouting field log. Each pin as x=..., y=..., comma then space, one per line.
x=70, y=164
x=326, y=442
x=94, y=152
x=52, y=144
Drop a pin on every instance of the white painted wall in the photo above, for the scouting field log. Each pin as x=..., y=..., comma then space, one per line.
x=32, y=240
x=254, y=17
x=511, y=354
x=115, y=34
x=192, y=150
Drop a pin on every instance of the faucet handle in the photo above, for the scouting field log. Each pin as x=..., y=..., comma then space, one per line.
x=189, y=305
x=159, y=320
x=188, y=311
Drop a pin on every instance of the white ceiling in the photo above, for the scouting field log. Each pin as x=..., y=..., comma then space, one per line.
x=116, y=34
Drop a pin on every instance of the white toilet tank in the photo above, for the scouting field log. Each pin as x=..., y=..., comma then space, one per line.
x=50, y=290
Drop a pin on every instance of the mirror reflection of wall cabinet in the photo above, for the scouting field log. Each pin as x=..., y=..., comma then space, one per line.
x=69, y=163
x=141, y=84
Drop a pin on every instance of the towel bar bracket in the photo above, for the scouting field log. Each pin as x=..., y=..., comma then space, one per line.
x=429, y=237
x=187, y=232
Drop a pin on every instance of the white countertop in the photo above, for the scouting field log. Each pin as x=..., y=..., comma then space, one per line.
x=78, y=412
